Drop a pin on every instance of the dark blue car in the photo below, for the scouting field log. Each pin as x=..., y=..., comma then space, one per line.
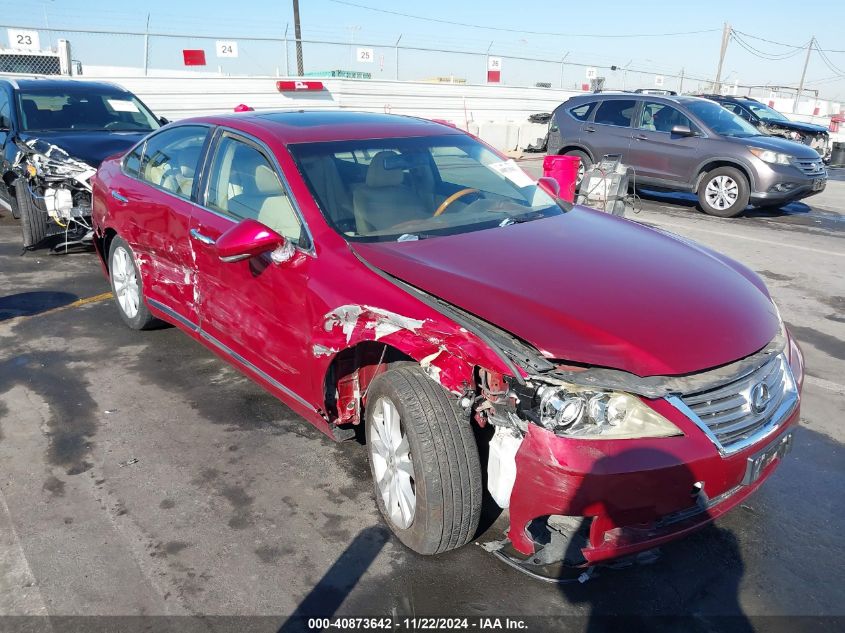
x=54, y=133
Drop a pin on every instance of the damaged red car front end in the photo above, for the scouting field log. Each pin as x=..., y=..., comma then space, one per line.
x=399, y=274
x=632, y=496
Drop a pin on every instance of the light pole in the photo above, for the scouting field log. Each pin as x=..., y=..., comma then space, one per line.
x=297, y=32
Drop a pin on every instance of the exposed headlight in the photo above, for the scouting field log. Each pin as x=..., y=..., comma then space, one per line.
x=573, y=411
x=768, y=156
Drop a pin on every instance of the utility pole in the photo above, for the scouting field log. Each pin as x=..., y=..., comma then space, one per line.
x=726, y=37
x=803, y=75
x=147, y=47
x=681, y=83
x=297, y=33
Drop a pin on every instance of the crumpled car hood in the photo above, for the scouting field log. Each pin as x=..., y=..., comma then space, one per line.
x=91, y=147
x=592, y=288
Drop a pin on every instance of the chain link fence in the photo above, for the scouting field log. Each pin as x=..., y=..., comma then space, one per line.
x=99, y=52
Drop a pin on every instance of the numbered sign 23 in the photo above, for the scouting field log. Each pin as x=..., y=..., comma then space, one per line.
x=226, y=48
x=24, y=40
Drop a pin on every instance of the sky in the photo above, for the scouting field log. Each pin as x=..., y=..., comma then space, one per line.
x=584, y=34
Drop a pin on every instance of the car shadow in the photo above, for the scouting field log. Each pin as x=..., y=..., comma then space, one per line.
x=337, y=583
x=690, y=201
x=24, y=304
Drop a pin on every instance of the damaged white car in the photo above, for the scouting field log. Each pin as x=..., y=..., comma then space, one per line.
x=54, y=133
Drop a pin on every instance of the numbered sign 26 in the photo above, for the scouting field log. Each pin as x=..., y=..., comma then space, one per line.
x=24, y=40
x=225, y=48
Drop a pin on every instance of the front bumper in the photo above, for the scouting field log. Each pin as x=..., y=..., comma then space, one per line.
x=636, y=494
x=784, y=183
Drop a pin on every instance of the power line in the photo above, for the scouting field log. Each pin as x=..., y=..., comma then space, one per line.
x=763, y=39
x=762, y=54
x=507, y=30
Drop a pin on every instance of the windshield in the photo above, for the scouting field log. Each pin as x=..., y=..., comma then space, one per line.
x=765, y=112
x=62, y=111
x=720, y=120
x=417, y=188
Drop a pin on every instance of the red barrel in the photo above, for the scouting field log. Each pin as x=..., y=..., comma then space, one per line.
x=564, y=169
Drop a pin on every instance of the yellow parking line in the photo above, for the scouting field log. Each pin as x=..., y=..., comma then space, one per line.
x=79, y=302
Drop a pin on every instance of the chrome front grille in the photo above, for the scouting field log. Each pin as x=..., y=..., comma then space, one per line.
x=810, y=166
x=740, y=412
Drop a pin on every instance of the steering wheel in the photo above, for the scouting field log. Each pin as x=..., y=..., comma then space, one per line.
x=452, y=198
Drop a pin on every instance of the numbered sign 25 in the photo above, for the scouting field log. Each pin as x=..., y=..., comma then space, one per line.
x=365, y=55
x=24, y=40
x=226, y=48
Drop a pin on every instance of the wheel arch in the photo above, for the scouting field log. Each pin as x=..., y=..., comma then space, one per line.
x=715, y=163
x=569, y=146
x=102, y=244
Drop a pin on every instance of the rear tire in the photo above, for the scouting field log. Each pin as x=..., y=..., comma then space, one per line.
x=436, y=445
x=34, y=221
x=127, y=287
x=585, y=162
x=723, y=192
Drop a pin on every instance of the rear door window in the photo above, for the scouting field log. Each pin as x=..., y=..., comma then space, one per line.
x=171, y=158
x=583, y=111
x=617, y=112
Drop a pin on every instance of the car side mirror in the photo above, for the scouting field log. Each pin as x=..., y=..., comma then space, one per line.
x=249, y=238
x=550, y=186
x=682, y=130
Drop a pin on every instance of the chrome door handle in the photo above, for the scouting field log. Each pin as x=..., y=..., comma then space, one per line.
x=589, y=129
x=642, y=137
x=208, y=241
x=119, y=196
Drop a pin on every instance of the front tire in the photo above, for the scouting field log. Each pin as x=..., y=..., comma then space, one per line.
x=127, y=288
x=34, y=221
x=723, y=192
x=13, y=203
x=424, y=461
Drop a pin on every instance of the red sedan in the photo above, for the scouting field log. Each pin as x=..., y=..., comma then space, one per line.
x=625, y=385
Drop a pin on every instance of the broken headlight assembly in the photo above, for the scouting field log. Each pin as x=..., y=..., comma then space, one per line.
x=590, y=413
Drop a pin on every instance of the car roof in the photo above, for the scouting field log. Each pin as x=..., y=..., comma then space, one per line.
x=312, y=126
x=596, y=96
x=729, y=98
x=34, y=84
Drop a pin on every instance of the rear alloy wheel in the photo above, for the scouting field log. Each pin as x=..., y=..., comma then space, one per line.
x=424, y=461
x=127, y=288
x=582, y=166
x=723, y=192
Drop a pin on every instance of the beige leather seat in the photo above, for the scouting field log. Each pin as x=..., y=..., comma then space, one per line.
x=384, y=201
x=275, y=210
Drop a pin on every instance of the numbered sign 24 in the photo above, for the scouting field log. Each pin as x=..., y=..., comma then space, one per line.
x=24, y=40
x=226, y=48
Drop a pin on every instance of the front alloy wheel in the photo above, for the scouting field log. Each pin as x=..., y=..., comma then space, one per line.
x=723, y=192
x=424, y=461
x=393, y=467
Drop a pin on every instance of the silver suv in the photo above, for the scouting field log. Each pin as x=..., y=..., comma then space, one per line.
x=681, y=143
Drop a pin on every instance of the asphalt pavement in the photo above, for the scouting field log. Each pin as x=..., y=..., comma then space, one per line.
x=142, y=475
